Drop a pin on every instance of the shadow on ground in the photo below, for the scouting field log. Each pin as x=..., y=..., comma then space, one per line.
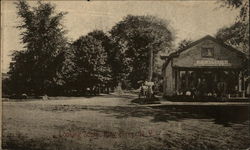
x=223, y=115
x=146, y=101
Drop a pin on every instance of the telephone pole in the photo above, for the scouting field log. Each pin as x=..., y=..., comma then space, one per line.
x=150, y=71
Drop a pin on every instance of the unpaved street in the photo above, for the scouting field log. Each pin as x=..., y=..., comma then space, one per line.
x=113, y=122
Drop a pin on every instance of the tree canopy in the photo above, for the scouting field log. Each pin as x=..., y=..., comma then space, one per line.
x=135, y=36
x=237, y=35
x=184, y=43
x=90, y=61
x=38, y=65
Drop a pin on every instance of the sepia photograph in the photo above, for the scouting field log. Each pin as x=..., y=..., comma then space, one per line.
x=125, y=75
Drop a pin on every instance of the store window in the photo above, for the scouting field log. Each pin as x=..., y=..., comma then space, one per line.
x=207, y=52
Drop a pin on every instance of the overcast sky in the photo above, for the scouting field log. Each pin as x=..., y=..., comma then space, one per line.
x=190, y=19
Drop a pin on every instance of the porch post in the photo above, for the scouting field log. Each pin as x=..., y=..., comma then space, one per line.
x=239, y=81
x=186, y=79
x=243, y=86
x=178, y=80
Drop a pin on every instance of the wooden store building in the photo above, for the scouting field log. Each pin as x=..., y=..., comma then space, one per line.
x=205, y=67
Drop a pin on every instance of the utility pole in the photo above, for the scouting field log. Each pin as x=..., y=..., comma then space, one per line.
x=150, y=67
x=150, y=71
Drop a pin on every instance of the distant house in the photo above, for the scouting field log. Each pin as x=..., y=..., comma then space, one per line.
x=205, y=67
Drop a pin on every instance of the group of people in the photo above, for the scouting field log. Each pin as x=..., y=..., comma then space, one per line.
x=146, y=91
x=208, y=83
x=206, y=88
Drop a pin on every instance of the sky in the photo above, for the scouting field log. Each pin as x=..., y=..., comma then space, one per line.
x=189, y=19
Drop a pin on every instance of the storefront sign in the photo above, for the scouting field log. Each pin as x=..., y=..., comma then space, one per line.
x=212, y=63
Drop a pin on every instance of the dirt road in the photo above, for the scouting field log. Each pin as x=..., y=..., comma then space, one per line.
x=114, y=123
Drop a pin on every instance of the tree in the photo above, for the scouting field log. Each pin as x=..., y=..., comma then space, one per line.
x=184, y=43
x=138, y=40
x=90, y=61
x=237, y=35
x=38, y=65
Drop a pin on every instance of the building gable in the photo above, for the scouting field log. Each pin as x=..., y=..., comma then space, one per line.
x=208, y=52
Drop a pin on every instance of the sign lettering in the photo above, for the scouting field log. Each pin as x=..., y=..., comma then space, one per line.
x=212, y=63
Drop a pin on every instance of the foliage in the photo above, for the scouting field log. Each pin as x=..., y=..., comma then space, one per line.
x=237, y=35
x=89, y=64
x=48, y=63
x=184, y=43
x=38, y=65
x=135, y=36
x=243, y=5
x=107, y=45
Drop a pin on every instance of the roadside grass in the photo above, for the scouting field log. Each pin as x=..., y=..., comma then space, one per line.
x=168, y=141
